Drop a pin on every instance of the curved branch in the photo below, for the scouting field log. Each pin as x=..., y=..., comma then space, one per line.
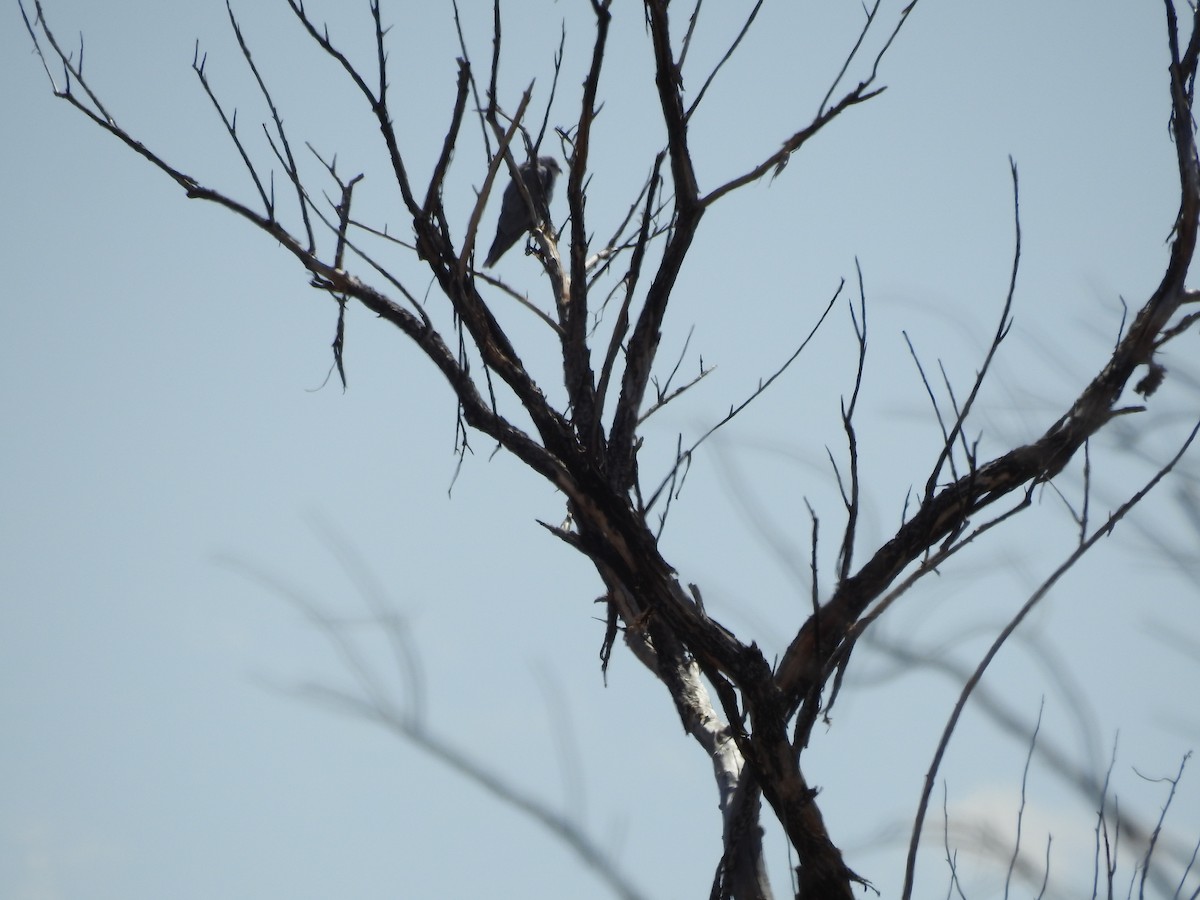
x=860, y=93
x=1101, y=532
x=808, y=655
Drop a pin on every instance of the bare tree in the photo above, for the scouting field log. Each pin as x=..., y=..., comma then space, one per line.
x=608, y=298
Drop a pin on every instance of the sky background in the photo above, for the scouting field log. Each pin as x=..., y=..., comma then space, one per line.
x=178, y=470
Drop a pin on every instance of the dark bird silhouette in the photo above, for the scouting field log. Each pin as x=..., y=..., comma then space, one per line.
x=515, y=219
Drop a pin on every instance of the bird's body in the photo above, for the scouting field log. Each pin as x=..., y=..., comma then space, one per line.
x=516, y=218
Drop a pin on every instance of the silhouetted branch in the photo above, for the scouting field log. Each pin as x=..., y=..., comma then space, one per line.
x=1103, y=531
x=851, y=500
x=286, y=157
x=592, y=459
x=859, y=94
x=753, y=14
x=754, y=395
x=1001, y=332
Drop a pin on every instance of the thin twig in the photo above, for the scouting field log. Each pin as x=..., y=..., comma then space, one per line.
x=724, y=59
x=754, y=395
x=1002, y=329
x=1012, y=863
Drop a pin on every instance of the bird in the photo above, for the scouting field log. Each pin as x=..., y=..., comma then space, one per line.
x=515, y=217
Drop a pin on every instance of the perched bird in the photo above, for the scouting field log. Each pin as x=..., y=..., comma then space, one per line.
x=515, y=218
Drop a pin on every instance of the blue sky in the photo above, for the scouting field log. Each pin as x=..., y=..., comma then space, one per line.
x=175, y=462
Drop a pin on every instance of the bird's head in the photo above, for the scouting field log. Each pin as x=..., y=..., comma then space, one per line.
x=549, y=168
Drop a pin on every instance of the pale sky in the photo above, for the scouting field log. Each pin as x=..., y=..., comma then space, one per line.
x=175, y=463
